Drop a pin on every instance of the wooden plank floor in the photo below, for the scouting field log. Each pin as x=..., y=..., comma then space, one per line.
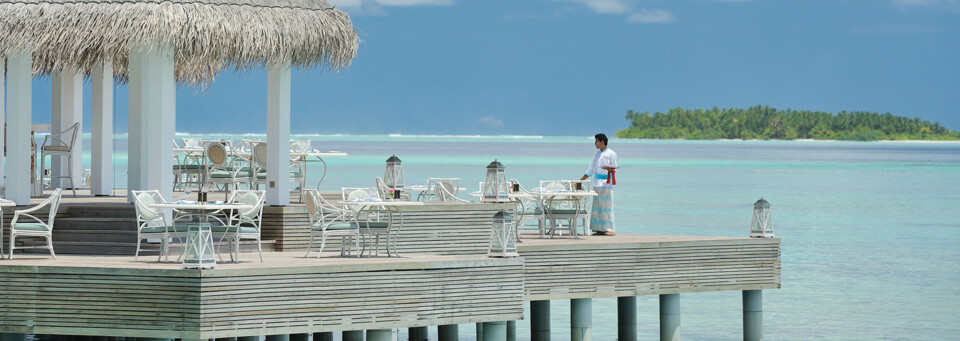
x=114, y=296
x=629, y=265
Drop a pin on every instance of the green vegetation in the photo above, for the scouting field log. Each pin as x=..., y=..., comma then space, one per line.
x=767, y=123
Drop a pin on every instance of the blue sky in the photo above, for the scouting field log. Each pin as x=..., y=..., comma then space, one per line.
x=574, y=67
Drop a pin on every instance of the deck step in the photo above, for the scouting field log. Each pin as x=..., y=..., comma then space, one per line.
x=103, y=211
x=61, y=233
x=106, y=248
x=96, y=223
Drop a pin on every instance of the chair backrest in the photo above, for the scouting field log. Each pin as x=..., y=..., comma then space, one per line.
x=66, y=138
x=54, y=202
x=218, y=154
x=382, y=189
x=442, y=191
x=254, y=198
x=313, y=204
x=451, y=184
x=553, y=186
x=259, y=154
x=142, y=201
x=192, y=142
x=72, y=134
x=358, y=193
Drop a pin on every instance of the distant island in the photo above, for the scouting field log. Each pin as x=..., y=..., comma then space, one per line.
x=766, y=123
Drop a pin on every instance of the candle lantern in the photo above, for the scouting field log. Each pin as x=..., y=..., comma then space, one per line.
x=198, y=253
x=393, y=174
x=495, y=185
x=761, y=226
x=502, y=242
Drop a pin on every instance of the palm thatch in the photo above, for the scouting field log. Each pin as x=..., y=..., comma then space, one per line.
x=207, y=35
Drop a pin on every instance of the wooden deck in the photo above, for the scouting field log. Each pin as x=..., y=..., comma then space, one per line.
x=113, y=296
x=443, y=277
x=629, y=265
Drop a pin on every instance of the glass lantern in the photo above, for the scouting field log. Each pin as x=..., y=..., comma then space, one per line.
x=393, y=174
x=761, y=226
x=502, y=242
x=495, y=184
x=198, y=253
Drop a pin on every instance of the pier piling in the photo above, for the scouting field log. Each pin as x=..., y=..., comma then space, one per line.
x=495, y=331
x=670, y=317
x=323, y=336
x=352, y=335
x=627, y=318
x=380, y=335
x=279, y=337
x=417, y=334
x=581, y=311
x=540, y=320
x=511, y=330
x=448, y=332
x=752, y=315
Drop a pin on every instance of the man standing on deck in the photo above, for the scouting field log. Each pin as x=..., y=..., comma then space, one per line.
x=603, y=174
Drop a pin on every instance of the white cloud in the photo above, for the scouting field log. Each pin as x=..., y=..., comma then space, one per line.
x=651, y=16
x=607, y=6
x=625, y=7
x=346, y=3
x=941, y=5
x=490, y=121
x=414, y=2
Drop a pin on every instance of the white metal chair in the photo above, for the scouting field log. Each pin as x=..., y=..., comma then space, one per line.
x=327, y=220
x=60, y=144
x=367, y=220
x=532, y=211
x=444, y=190
x=563, y=208
x=452, y=184
x=35, y=227
x=153, y=223
x=221, y=168
x=243, y=224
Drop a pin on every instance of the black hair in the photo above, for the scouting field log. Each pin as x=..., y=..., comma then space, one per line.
x=601, y=137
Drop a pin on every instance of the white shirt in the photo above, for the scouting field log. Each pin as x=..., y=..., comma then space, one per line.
x=604, y=158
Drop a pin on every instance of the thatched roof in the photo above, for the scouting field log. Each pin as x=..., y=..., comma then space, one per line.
x=207, y=35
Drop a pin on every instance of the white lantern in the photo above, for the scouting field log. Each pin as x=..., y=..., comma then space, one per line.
x=393, y=174
x=495, y=185
x=762, y=225
x=198, y=252
x=502, y=242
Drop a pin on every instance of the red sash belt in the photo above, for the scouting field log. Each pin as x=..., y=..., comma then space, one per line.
x=612, y=177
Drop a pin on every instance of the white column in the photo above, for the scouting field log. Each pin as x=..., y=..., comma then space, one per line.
x=67, y=109
x=134, y=79
x=278, y=134
x=101, y=131
x=3, y=116
x=152, y=120
x=19, y=76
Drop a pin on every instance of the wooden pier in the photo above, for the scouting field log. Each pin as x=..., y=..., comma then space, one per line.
x=442, y=278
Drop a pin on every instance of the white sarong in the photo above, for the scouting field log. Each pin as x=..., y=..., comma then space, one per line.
x=601, y=216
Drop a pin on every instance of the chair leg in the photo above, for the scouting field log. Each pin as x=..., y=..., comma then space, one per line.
x=309, y=245
x=70, y=175
x=323, y=242
x=50, y=246
x=12, y=238
x=43, y=167
x=260, y=249
x=138, y=250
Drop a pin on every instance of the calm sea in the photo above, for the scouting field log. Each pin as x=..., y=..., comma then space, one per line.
x=870, y=231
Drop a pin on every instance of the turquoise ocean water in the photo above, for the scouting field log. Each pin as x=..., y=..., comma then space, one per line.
x=870, y=231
